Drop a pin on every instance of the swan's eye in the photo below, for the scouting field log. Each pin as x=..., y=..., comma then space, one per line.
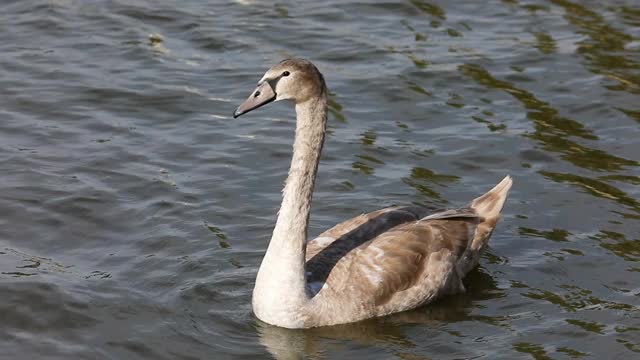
x=256, y=94
x=286, y=73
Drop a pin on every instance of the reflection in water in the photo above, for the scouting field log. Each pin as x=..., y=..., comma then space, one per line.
x=423, y=179
x=429, y=8
x=554, y=234
x=621, y=246
x=544, y=116
x=535, y=350
x=369, y=137
x=587, y=325
x=298, y=344
x=605, y=48
x=634, y=114
x=417, y=88
x=335, y=108
x=391, y=331
x=20, y=264
x=596, y=188
x=418, y=36
x=573, y=298
x=551, y=129
x=490, y=125
x=418, y=62
x=366, y=164
x=545, y=43
x=281, y=11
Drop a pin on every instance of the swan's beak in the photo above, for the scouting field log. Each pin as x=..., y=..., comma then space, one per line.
x=263, y=94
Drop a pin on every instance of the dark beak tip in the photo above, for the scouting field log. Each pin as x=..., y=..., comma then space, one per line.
x=262, y=95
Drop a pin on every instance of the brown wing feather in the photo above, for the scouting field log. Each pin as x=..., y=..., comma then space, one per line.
x=335, y=243
x=386, y=252
x=406, y=255
x=396, y=259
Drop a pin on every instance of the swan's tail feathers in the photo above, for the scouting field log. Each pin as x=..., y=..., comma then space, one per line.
x=488, y=208
x=490, y=204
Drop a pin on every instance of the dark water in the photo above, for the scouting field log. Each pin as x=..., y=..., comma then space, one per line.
x=135, y=211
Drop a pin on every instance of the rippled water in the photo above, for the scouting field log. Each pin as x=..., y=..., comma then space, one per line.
x=135, y=210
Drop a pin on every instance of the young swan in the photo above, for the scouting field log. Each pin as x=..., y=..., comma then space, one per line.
x=375, y=264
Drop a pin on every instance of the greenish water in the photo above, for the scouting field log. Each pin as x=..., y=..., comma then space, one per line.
x=135, y=210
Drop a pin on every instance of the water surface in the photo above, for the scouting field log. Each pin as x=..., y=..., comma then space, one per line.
x=135, y=210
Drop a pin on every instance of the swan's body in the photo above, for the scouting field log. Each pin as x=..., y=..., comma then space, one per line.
x=387, y=261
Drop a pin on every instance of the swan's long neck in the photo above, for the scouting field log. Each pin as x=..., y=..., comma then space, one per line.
x=280, y=284
x=290, y=233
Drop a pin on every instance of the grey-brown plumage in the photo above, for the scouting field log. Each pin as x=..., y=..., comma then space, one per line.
x=375, y=264
x=399, y=258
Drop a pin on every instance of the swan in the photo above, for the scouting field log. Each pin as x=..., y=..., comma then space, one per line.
x=375, y=264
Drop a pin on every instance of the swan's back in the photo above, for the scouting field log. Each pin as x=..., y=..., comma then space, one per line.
x=397, y=258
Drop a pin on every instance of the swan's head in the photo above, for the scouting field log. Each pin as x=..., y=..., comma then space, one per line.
x=297, y=80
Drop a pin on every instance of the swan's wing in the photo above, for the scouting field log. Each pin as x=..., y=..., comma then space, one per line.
x=364, y=227
x=424, y=253
x=380, y=264
x=367, y=226
x=391, y=253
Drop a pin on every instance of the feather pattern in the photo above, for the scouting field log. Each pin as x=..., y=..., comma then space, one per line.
x=389, y=259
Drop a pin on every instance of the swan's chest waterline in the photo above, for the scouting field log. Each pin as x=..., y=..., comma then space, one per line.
x=276, y=300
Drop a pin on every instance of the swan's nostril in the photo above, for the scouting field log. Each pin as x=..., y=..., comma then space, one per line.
x=256, y=94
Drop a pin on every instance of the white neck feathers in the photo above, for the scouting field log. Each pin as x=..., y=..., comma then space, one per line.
x=280, y=290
